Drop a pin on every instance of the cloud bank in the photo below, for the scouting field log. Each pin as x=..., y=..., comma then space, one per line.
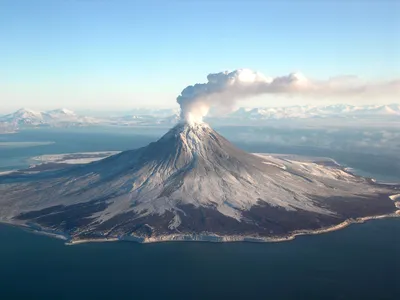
x=224, y=89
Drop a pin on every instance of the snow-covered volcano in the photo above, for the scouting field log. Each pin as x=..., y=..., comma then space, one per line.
x=192, y=181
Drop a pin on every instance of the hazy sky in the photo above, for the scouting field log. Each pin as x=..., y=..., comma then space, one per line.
x=114, y=54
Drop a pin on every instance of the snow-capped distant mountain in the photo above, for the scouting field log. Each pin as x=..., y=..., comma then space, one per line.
x=63, y=117
x=61, y=113
x=168, y=117
x=385, y=110
x=154, y=112
x=27, y=118
x=270, y=112
x=308, y=111
x=68, y=116
x=22, y=117
x=159, y=118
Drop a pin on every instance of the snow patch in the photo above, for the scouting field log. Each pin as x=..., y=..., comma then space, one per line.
x=394, y=197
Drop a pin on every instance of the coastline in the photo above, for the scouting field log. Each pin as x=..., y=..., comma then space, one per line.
x=36, y=229
x=204, y=237
x=201, y=237
x=213, y=238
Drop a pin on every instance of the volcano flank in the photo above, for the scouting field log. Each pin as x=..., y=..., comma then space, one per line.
x=191, y=184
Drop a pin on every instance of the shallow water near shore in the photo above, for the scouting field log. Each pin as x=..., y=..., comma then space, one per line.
x=358, y=262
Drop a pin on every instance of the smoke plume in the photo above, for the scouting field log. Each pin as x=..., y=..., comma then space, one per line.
x=224, y=89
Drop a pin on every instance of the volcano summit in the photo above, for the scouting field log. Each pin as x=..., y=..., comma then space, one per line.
x=191, y=184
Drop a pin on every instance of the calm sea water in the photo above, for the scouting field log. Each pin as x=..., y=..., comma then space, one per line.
x=359, y=262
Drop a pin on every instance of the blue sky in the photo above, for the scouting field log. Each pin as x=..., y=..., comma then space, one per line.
x=112, y=54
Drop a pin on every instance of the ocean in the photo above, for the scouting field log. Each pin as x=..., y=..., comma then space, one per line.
x=358, y=262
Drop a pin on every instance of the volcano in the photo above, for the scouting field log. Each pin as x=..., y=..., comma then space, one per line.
x=191, y=184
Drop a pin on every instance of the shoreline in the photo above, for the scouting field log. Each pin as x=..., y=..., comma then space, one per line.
x=36, y=229
x=204, y=237
x=213, y=238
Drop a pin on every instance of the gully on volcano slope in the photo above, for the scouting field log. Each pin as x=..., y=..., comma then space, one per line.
x=191, y=182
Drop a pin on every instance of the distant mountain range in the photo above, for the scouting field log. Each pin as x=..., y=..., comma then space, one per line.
x=25, y=118
x=308, y=111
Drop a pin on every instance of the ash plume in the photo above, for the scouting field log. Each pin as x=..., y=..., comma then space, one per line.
x=224, y=89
